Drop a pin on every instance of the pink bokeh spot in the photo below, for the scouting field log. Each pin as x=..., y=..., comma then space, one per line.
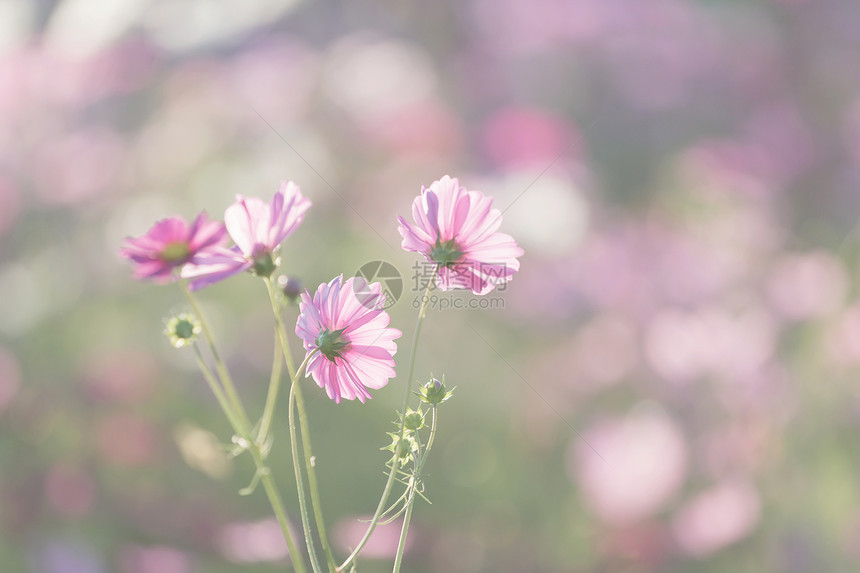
x=155, y=559
x=253, y=542
x=382, y=543
x=683, y=345
x=522, y=138
x=78, y=166
x=128, y=440
x=716, y=518
x=70, y=490
x=606, y=350
x=806, y=286
x=843, y=341
x=424, y=129
x=121, y=376
x=644, y=464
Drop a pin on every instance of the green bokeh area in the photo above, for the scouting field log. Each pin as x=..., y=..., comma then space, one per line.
x=667, y=385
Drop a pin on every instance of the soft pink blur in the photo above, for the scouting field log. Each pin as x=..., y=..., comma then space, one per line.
x=253, y=541
x=154, y=559
x=121, y=376
x=807, y=285
x=717, y=517
x=128, y=439
x=382, y=543
x=516, y=138
x=644, y=464
x=70, y=490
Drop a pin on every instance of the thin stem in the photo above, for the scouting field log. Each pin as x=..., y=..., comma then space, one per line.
x=410, y=502
x=282, y=331
x=387, y=490
x=306, y=526
x=271, y=396
x=312, y=478
x=398, y=558
x=278, y=507
x=215, y=386
x=296, y=394
x=232, y=407
x=430, y=439
x=220, y=367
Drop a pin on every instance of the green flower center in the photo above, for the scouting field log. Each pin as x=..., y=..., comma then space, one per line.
x=175, y=252
x=184, y=329
x=445, y=254
x=331, y=343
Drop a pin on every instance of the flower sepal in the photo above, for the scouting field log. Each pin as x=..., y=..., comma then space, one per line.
x=264, y=265
x=445, y=254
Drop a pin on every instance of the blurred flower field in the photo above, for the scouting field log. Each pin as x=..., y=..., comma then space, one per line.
x=668, y=384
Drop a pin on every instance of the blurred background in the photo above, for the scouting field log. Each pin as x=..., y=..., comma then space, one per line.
x=668, y=384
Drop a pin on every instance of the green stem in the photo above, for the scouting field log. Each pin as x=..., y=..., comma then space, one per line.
x=410, y=502
x=306, y=526
x=215, y=386
x=398, y=558
x=422, y=312
x=271, y=396
x=430, y=439
x=229, y=401
x=312, y=479
x=278, y=507
x=282, y=331
x=220, y=367
x=296, y=390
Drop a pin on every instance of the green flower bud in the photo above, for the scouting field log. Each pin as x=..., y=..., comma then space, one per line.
x=434, y=392
x=402, y=447
x=413, y=419
x=182, y=329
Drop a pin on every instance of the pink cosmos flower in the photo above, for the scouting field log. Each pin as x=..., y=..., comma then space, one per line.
x=257, y=229
x=455, y=229
x=346, y=324
x=170, y=244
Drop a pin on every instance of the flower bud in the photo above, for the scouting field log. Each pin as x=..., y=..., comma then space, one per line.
x=434, y=392
x=182, y=329
x=291, y=287
x=402, y=447
x=413, y=419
